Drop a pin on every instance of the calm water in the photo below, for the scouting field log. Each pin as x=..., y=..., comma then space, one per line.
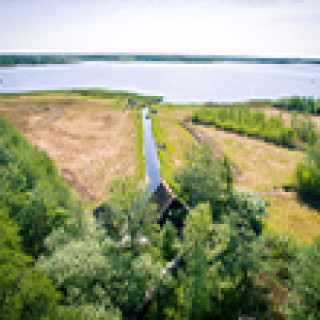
x=150, y=153
x=176, y=82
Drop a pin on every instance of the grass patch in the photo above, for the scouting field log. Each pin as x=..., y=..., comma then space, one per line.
x=177, y=140
x=139, y=155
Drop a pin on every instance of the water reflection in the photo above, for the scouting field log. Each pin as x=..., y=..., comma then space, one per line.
x=152, y=165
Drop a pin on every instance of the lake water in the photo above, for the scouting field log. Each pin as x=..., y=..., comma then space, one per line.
x=176, y=82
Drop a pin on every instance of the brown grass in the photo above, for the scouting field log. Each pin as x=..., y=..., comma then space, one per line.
x=265, y=168
x=89, y=143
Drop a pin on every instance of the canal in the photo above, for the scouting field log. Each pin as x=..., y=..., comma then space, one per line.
x=152, y=164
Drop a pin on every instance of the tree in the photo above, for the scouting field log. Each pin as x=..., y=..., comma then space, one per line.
x=24, y=292
x=305, y=284
x=92, y=269
x=203, y=179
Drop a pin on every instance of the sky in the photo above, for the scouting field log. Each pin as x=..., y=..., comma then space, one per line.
x=272, y=28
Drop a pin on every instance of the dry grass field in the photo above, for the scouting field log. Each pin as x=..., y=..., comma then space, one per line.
x=91, y=141
x=265, y=169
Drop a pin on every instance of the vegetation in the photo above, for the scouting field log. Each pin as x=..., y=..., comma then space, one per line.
x=267, y=169
x=255, y=123
x=301, y=104
x=90, y=93
x=222, y=264
x=173, y=138
x=308, y=176
x=13, y=59
x=24, y=292
x=32, y=192
x=139, y=146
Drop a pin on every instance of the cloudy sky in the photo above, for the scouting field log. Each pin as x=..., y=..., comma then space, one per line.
x=232, y=27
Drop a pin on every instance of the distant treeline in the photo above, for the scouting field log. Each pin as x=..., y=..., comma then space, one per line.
x=135, y=98
x=15, y=59
x=12, y=60
x=300, y=104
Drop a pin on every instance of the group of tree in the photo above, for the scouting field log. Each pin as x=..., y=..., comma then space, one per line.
x=308, y=176
x=255, y=123
x=301, y=104
x=14, y=59
x=83, y=268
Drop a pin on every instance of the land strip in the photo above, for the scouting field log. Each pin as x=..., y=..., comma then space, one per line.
x=91, y=141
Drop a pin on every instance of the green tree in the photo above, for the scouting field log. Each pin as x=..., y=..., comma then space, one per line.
x=24, y=292
x=305, y=283
x=197, y=278
x=203, y=178
x=92, y=269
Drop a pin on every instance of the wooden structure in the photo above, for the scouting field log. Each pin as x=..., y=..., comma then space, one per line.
x=167, y=202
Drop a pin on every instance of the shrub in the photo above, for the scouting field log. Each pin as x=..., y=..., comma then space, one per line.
x=308, y=175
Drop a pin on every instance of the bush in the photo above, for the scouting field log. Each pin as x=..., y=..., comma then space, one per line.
x=308, y=175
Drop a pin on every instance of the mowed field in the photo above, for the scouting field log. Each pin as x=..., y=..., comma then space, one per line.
x=91, y=141
x=265, y=169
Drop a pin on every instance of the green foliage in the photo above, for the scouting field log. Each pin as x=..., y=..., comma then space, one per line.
x=198, y=276
x=139, y=147
x=305, y=294
x=302, y=104
x=276, y=254
x=31, y=189
x=203, y=179
x=249, y=207
x=91, y=269
x=306, y=129
x=24, y=292
x=253, y=123
x=128, y=214
x=90, y=93
x=308, y=175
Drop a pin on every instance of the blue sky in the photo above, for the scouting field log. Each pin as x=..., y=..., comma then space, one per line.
x=288, y=28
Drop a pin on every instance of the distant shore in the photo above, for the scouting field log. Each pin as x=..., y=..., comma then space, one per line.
x=9, y=60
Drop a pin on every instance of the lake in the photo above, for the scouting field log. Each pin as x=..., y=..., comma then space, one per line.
x=176, y=82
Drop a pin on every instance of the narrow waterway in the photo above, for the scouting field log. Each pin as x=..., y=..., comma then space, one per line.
x=152, y=164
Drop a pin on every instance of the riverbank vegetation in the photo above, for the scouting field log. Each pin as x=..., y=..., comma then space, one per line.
x=140, y=158
x=173, y=140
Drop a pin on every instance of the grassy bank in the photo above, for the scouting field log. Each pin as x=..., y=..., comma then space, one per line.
x=175, y=140
x=140, y=160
